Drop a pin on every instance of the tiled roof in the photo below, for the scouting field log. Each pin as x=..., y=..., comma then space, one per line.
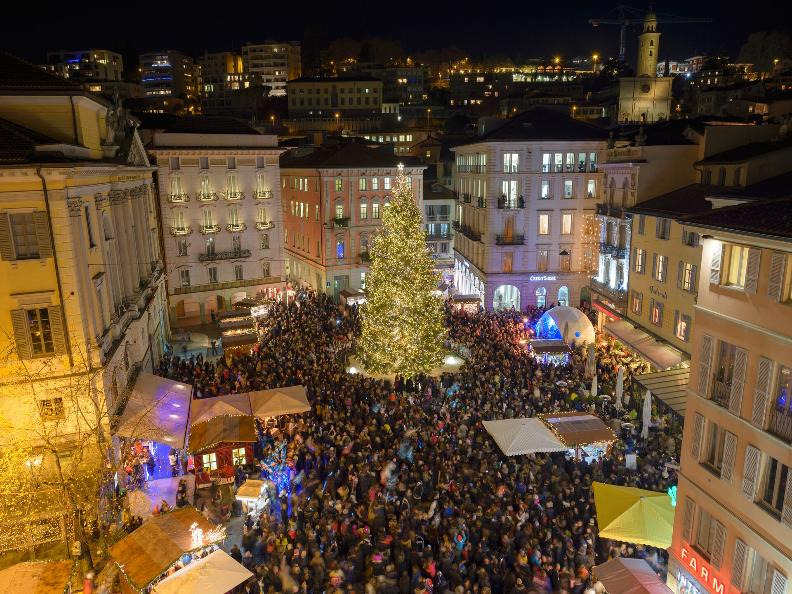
x=16, y=75
x=540, y=123
x=17, y=144
x=779, y=186
x=768, y=218
x=346, y=155
x=747, y=152
x=683, y=201
x=209, y=125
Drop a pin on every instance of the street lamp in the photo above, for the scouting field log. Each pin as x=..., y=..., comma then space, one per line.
x=428, y=113
x=594, y=58
x=337, y=116
x=272, y=122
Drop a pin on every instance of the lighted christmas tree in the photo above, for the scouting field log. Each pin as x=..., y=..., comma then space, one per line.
x=403, y=329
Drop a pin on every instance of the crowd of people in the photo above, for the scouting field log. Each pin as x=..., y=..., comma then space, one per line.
x=400, y=490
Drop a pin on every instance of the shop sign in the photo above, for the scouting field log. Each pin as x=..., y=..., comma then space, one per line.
x=701, y=570
x=542, y=277
x=657, y=292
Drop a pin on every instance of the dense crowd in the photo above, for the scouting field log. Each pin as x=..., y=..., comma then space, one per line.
x=399, y=488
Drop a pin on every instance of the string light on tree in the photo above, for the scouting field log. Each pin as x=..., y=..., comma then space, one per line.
x=403, y=329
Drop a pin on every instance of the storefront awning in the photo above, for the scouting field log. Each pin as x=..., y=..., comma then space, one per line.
x=670, y=386
x=523, y=436
x=205, y=409
x=662, y=356
x=157, y=410
x=222, y=430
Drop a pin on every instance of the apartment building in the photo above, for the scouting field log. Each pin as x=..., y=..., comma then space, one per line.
x=82, y=302
x=219, y=192
x=733, y=526
x=170, y=79
x=339, y=97
x=525, y=215
x=273, y=63
x=87, y=65
x=333, y=200
x=439, y=206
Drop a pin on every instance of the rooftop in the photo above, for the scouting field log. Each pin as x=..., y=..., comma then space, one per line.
x=331, y=79
x=541, y=123
x=747, y=152
x=769, y=218
x=209, y=125
x=18, y=144
x=669, y=132
x=19, y=76
x=346, y=155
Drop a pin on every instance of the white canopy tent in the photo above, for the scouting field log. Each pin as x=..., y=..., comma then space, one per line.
x=279, y=401
x=157, y=409
x=205, y=409
x=217, y=573
x=523, y=436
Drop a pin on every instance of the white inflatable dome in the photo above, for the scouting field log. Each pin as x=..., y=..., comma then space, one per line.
x=565, y=323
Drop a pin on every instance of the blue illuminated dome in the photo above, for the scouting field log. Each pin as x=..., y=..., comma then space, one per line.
x=565, y=323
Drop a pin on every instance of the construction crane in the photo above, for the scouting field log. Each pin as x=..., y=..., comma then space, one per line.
x=629, y=17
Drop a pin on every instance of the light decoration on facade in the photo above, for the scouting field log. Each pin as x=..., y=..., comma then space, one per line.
x=591, y=235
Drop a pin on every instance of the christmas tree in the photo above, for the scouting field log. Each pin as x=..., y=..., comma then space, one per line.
x=403, y=329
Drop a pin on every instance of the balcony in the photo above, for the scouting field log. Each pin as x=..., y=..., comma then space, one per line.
x=236, y=227
x=481, y=202
x=207, y=197
x=618, y=296
x=721, y=392
x=234, y=196
x=466, y=198
x=262, y=194
x=781, y=424
x=438, y=236
x=341, y=222
x=509, y=239
x=179, y=231
x=229, y=255
x=178, y=198
x=264, y=225
x=606, y=210
x=505, y=203
x=365, y=257
x=210, y=229
x=468, y=232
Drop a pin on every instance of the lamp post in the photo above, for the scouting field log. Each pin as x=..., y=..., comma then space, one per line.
x=272, y=123
x=337, y=117
x=594, y=59
x=428, y=113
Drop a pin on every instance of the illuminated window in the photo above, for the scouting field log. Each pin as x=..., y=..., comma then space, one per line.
x=209, y=461
x=682, y=326
x=375, y=183
x=656, y=313
x=363, y=210
x=541, y=297
x=566, y=223
x=737, y=265
x=639, y=264
x=567, y=188
x=544, y=192
x=362, y=184
x=510, y=162
x=660, y=268
x=591, y=188
x=386, y=183
x=238, y=454
x=339, y=210
x=340, y=249
x=543, y=256
x=636, y=302
x=687, y=277
x=338, y=184
x=544, y=224
x=546, y=162
x=375, y=210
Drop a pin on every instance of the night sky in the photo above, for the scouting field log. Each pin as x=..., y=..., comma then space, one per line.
x=514, y=28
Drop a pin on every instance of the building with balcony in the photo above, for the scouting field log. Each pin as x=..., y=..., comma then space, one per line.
x=733, y=525
x=226, y=85
x=333, y=200
x=439, y=206
x=273, y=64
x=525, y=211
x=82, y=302
x=219, y=193
x=170, y=81
x=87, y=65
x=341, y=97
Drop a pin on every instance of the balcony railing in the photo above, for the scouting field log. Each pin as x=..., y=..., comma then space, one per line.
x=468, y=232
x=618, y=296
x=262, y=194
x=179, y=231
x=721, y=392
x=509, y=239
x=481, y=202
x=209, y=229
x=781, y=424
x=178, y=198
x=207, y=196
x=262, y=225
x=365, y=257
x=228, y=255
x=235, y=227
x=342, y=222
x=606, y=210
x=505, y=203
x=438, y=236
x=234, y=196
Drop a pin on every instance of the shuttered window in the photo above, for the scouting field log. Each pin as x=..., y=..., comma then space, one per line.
x=715, y=265
x=778, y=272
x=38, y=332
x=738, y=381
x=705, y=364
x=698, y=436
x=750, y=471
x=752, y=270
x=687, y=518
x=25, y=236
x=740, y=563
x=729, y=454
x=761, y=392
x=779, y=583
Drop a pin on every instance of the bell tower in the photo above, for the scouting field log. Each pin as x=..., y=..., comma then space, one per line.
x=648, y=47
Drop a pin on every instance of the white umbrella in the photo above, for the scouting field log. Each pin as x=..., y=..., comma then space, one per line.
x=594, y=385
x=619, y=388
x=646, y=416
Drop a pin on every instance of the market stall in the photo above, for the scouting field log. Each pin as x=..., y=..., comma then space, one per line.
x=352, y=297
x=156, y=410
x=633, y=515
x=217, y=573
x=162, y=546
x=38, y=577
x=586, y=434
x=253, y=495
x=466, y=303
x=239, y=341
x=550, y=351
x=523, y=436
x=621, y=575
x=279, y=401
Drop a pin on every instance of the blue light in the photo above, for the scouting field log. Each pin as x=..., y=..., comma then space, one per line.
x=547, y=328
x=672, y=493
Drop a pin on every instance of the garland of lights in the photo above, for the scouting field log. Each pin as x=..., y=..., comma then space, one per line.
x=592, y=228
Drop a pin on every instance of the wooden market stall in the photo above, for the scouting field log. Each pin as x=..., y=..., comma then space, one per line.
x=38, y=577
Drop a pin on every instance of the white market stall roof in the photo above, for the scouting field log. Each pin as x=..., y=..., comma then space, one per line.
x=250, y=490
x=523, y=436
x=217, y=573
x=205, y=409
x=565, y=323
x=629, y=576
x=157, y=409
x=662, y=356
x=279, y=401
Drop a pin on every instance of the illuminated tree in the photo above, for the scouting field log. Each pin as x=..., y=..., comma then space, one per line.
x=403, y=328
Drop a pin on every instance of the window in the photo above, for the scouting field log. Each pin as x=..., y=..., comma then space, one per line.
x=690, y=238
x=641, y=224
x=567, y=188
x=508, y=260
x=375, y=183
x=774, y=485
x=182, y=247
x=238, y=273
x=566, y=223
x=737, y=265
x=174, y=163
x=715, y=445
x=546, y=162
x=682, y=326
x=563, y=296
x=592, y=161
x=23, y=232
x=760, y=578
x=544, y=224
x=239, y=456
x=386, y=183
x=510, y=162
x=544, y=192
x=783, y=391
x=541, y=297
x=40, y=331
x=260, y=162
x=660, y=271
x=726, y=356
x=206, y=185
x=542, y=259
x=51, y=408
x=210, y=246
x=636, y=302
x=363, y=210
x=209, y=461
x=375, y=210
x=639, y=263
x=204, y=162
x=340, y=249
x=184, y=276
x=686, y=277
x=656, y=313
x=581, y=162
x=212, y=274
x=591, y=188
x=265, y=269
x=231, y=162
x=363, y=280
x=338, y=184
x=709, y=536
x=558, y=158
x=339, y=210
x=663, y=228
x=362, y=184
x=570, y=162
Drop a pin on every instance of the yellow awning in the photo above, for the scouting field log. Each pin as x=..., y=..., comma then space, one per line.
x=629, y=514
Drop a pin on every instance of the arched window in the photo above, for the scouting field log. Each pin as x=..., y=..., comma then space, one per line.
x=563, y=296
x=541, y=296
x=651, y=43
